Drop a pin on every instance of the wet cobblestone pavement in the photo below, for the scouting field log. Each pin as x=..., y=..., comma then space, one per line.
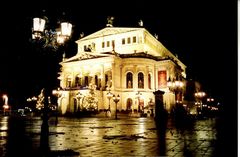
x=102, y=136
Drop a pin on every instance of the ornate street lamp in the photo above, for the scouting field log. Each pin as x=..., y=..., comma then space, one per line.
x=176, y=87
x=199, y=96
x=116, y=100
x=109, y=96
x=50, y=39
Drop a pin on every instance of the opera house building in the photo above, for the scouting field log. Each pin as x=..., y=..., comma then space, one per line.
x=127, y=63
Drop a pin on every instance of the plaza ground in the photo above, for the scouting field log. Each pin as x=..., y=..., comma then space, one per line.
x=107, y=136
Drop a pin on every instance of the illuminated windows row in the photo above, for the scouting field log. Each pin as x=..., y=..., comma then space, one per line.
x=107, y=44
x=129, y=40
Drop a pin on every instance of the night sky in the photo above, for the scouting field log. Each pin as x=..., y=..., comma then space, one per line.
x=202, y=34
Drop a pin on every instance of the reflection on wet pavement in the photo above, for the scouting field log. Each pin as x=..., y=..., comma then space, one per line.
x=108, y=137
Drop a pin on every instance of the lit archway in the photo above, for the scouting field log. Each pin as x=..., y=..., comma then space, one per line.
x=63, y=106
x=129, y=104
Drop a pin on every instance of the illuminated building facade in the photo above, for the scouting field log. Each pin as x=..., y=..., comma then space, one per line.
x=129, y=62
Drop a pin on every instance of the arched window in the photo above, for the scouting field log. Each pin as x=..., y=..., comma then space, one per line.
x=129, y=104
x=129, y=80
x=141, y=104
x=86, y=80
x=99, y=82
x=140, y=80
x=96, y=80
x=69, y=81
x=78, y=81
x=149, y=81
x=106, y=80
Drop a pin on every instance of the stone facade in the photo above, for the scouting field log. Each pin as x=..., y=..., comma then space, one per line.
x=129, y=62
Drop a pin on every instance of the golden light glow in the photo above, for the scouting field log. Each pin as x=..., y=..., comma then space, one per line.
x=200, y=94
x=60, y=38
x=5, y=106
x=107, y=70
x=5, y=99
x=169, y=84
x=210, y=99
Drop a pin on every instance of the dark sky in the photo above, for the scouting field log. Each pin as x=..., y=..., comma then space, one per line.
x=203, y=34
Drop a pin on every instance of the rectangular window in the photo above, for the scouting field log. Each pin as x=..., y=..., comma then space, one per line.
x=106, y=80
x=113, y=43
x=103, y=44
x=85, y=48
x=108, y=43
x=86, y=81
x=134, y=39
x=128, y=40
x=162, y=79
x=123, y=41
x=93, y=46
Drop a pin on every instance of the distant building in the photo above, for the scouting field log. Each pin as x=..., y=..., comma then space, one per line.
x=129, y=62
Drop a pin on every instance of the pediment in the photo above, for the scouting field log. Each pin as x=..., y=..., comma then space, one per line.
x=85, y=56
x=110, y=31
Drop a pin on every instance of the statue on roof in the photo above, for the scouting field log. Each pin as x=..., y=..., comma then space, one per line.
x=82, y=35
x=110, y=21
x=140, y=23
x=63, y=56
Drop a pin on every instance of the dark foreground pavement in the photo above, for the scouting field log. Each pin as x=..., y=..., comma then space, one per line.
x=102, y=136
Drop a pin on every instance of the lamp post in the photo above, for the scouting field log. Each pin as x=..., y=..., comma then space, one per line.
x=109, y=96
x=57, y=93
x=199, y=97
x=212, y=108
x=116, y=100
x=176, y=87
x=32, y=102
x=210, y=100
x=50, y=39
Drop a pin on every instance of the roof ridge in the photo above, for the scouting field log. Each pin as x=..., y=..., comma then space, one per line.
x=107, y=31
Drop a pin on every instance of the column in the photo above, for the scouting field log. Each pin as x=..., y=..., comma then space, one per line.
x=135, y=77
x=113, y=76
x=120, y=76
x=103, y=84
x=146, y=78
x=155, y=78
